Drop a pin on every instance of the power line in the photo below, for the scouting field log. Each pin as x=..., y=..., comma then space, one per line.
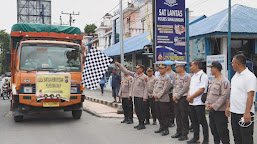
x=108, y=12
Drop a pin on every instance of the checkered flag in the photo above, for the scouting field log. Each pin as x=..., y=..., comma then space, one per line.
x=95, y=66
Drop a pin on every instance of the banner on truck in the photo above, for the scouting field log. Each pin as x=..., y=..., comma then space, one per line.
x=170, y=30
x=53, y=85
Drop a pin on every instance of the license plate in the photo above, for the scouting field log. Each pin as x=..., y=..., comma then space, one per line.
x=50, y=104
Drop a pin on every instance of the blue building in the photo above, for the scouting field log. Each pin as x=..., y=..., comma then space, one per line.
x=208, y=35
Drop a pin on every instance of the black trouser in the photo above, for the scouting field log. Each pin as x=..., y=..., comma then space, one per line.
x=102, y=88
x=219, y=126
x=163, y=113
x=181, y=113
x=190, y=115
x=172, y=107
x=150, y=104
x=198, y=117
x=140, y=109
x=127, y=106
x=241, y=135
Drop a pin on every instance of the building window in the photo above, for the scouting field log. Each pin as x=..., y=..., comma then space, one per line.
x=117, y=31
x=242, y=46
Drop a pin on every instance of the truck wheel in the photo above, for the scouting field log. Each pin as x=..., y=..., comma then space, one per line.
x=76, y=114
x=18, y=118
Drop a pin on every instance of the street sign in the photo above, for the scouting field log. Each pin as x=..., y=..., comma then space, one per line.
x=170, y=30
x=220, y=58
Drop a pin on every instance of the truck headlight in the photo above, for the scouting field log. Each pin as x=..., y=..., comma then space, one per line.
x=74, y=90
x=27, y=89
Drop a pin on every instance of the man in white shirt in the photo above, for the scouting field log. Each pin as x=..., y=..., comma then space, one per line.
x=198, y=86
x=157, y=73
x=241, y=104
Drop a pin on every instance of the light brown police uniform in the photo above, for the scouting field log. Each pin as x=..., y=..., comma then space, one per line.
x=218, y=92
x=150, y=85
x=138, y=91
x=161, y=90
x=172, y=76
x=127, y=104
x=180, y=90
x=126, y=85
x=151, y=102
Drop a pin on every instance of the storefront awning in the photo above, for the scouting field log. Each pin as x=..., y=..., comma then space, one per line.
x=131, y=45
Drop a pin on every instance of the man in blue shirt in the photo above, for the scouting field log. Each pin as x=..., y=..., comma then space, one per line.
x=116, y=79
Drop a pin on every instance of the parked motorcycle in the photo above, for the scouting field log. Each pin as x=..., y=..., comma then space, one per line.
x=6, y=93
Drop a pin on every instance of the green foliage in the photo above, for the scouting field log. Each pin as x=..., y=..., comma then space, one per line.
x=5, y=63
x=90, y=29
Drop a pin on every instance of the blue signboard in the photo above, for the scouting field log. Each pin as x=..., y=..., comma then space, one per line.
x=170, y=30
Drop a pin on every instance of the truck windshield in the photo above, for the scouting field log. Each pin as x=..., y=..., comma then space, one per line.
x=46, y=57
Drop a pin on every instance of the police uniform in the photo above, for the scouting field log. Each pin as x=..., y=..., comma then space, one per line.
x=138, y=91
x=172, y=76
x=127, y=103
x=151, y=102
x=181, y=87
x=218, y=92
x=161, y=90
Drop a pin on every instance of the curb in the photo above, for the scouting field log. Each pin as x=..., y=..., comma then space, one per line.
x=115, y=105
x=97, y=115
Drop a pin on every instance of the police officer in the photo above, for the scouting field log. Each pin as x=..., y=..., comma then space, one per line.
x=181, y=86
x=161, y=95
x=127, y=103
x=172, y=76
x=150, y=104
x=216, y=102
x=138, y=91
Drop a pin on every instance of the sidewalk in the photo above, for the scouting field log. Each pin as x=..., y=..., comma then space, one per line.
x=101, y=110
x=101, y=105
x=106, y=98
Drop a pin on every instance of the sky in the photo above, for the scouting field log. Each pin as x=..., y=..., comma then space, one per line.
x=92, y=10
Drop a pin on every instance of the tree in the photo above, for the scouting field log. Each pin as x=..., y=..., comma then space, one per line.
x=5, y=63
x=89, y=29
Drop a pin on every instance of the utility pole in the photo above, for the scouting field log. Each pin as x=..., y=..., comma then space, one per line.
x=121, y=36
x=71, y=19
x=43, y=14
x=229, y=40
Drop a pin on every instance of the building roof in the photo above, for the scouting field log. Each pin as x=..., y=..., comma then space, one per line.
x=131, y=45
x=243, y=20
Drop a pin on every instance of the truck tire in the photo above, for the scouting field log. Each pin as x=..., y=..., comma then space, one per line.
x=18, y=118
x=76, y=114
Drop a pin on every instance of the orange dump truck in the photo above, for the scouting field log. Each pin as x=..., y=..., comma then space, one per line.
x=46, y=69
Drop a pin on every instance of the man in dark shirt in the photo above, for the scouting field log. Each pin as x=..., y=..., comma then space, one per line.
x=116, y=79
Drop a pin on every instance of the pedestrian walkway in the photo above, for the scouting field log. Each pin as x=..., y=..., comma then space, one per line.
x=101, y=110
x=106, y=98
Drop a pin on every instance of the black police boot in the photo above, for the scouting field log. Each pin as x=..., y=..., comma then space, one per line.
x=205, y=141
x=140, y=127
x=177, y=135
x=130, y=121
x=159, y=130
x=193, y=141
x=136, y=126
x=147, y=122
x=183, y=137
x=124, y=121
x=165, y=132
x=154, y=122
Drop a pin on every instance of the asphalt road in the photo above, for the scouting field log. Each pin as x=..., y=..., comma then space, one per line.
x=60, y=128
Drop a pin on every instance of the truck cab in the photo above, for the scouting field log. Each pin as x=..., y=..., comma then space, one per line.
x=46, y=69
